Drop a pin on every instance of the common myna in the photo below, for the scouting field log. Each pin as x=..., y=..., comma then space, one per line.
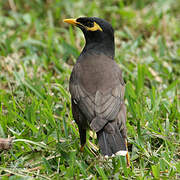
x=97, y=88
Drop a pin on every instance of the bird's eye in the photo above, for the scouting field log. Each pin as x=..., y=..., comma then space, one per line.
x=89, y=24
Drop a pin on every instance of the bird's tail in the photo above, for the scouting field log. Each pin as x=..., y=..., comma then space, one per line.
x=112, y=143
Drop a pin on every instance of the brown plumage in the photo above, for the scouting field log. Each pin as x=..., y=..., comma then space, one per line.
x=97, y=88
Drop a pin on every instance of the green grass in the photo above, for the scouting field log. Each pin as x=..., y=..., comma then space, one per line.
x=37, y=51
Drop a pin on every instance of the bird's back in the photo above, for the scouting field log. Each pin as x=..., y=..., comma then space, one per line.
x=98, y=73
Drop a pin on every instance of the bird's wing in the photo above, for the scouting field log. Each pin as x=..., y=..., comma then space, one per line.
x=81, y=97
x=107, y=106
x=98, y=108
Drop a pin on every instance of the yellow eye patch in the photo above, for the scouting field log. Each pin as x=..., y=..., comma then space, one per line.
x=94, y=28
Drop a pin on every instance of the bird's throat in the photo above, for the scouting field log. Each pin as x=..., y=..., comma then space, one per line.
x=100, y=48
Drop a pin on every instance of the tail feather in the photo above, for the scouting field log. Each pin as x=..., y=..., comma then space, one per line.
x=111, y=143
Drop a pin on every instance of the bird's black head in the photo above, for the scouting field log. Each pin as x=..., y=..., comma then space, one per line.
x=98, y=33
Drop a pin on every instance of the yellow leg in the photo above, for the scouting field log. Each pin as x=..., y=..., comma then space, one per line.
x=127, y=156
x=82, y=148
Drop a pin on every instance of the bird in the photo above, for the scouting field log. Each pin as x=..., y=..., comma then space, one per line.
x=97, y=88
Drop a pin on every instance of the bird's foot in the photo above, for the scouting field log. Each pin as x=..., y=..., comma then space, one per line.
x=127, y=160
x=127, y=156
x=82, y=148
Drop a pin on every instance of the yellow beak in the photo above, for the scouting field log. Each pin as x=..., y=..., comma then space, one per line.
x=71, y=21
